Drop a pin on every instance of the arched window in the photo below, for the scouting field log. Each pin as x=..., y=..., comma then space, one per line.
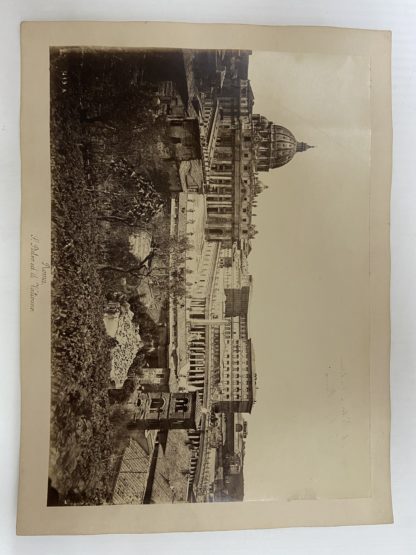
x=157, y=403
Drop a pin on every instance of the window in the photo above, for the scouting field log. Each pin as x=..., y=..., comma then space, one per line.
x=181, y=404
x=157, y=403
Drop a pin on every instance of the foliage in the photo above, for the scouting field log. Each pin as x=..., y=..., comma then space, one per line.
x=128, y=197
x=147, y=324
x=80, y=431
x=164, y=267
x=106, y=183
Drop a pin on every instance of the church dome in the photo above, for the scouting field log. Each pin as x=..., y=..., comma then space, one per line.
x=283, y=146
x=276, y=144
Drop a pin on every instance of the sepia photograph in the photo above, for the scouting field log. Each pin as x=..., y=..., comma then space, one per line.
x=158, y=161
x=205, y=273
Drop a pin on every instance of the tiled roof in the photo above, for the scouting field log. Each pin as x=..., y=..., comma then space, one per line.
x=170, y=483
x=133, y=475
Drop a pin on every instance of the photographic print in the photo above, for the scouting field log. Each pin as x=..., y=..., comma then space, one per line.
x=200, y=287
x=156, y=161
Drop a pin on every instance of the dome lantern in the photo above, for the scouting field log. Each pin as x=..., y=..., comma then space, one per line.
x=301, y=147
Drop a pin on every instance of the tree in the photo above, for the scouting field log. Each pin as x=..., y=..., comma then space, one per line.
x=129, y=198
x=164, y=266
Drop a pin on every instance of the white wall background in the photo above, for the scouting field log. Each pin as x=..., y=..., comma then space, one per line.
x=397, y=15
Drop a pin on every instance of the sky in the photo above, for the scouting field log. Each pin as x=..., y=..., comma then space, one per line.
x=308, y=434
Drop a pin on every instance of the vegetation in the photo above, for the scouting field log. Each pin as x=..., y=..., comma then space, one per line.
x=106, y=184
x=80, y=432
x=166, y=252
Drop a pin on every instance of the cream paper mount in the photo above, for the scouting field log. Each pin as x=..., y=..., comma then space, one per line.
x=205, y=271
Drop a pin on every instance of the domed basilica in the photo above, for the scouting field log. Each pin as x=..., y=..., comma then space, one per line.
x=275, y=145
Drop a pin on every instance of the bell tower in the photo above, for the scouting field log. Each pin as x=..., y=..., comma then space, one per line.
x=164, y=411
